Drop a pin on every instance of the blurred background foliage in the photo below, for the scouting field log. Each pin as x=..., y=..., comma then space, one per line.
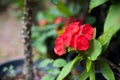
x=46, y=12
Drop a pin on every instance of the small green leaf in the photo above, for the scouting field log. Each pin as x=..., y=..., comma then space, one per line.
x=45, y=62
x=94, y=50
x=63, y=9
x=48, y=77
x=69, y=49
x=106, y=71
x=59, y=63
x=88, y=65
x=84, y=75
x=67, y=69
x=95, y=3
x=53, y=71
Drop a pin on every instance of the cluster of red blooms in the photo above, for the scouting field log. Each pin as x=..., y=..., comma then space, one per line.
x=76, y=36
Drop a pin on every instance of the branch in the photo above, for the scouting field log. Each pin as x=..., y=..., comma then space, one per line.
x=84, y=12
x=26, y=29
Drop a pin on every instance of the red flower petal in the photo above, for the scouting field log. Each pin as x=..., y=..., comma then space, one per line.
x=82, y=43
x=59, y=49
x=67, y=38
x=59, y=40
x=73, y=27
x=88, y=31
x=74, y=38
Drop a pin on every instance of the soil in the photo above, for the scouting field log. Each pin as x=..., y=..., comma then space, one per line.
x=10, y=38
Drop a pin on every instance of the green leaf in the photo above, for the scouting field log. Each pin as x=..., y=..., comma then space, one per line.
x=42, y=48
x=92, y=73
x=94, y=50
x=111, y=25
x=84, y=75
x=45, y=62
x=106, y=71
x=88, y=65
x=59, y=63
x=67, y=69
x=48, y=77
x=95, y=3
x=62, y=8
x=112, y=22
x=53, y=71
x=104, y=38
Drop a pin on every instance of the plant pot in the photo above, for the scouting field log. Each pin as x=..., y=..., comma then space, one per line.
x=18, y=70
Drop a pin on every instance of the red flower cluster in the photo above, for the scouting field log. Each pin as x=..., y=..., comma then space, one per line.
x=76, y=36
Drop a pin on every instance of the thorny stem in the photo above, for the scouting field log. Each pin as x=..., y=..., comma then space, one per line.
x=26, y=32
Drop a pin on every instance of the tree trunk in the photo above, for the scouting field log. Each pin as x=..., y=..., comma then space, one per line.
x=28, y=10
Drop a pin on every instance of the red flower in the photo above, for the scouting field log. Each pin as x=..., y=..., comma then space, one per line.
x=76, y=36
x=82, y=43
x=88, y=31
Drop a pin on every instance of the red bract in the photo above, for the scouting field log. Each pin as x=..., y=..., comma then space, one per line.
x=75, y=36
x=59, y=49
x=88, y=31
x=59, y=46
x=59, y=40
x=73, y=43
x=66, y=38
x=82, y=43
x=73, y=27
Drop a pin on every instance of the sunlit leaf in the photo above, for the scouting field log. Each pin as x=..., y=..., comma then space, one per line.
x=48, y=77
x=94, y=50
x=59, y=63
x=95, y=3
x=67, y=69
x=45, y=62
x=111, y=25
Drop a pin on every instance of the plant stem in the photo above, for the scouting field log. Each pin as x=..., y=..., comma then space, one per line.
x=84, y=12
x=27, y=38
